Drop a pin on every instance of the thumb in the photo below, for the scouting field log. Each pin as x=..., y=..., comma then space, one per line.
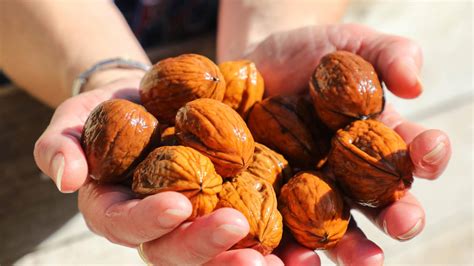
x=58, y=152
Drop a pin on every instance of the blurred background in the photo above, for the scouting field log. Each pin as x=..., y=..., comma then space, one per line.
x=38, y=225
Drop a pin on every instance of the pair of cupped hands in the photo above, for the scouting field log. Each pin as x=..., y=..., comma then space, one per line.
x=286, y=61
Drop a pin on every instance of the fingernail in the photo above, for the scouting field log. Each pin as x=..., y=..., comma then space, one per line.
x=384, y=225
x=172, y=217
x=412, y=232
x=435, y=155
x=409, y=65
x=58, y=169
x=419, y=84
x=227, y=234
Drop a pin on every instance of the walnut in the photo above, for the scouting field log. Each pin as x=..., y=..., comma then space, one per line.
x=256, y=200
x=181, y=169
x=244, y=85
x=371, y=163
x=218, y=132
x=173, y=82
x=269, y=166
x=313, y=210
x=345, y=88
x=287, y=124
x=116, y=135
x=168, y=137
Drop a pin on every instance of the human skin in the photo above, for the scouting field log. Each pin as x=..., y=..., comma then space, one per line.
x=32, y=60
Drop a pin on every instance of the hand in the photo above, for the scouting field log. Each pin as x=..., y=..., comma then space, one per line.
x=112, y=211
x=286, y=61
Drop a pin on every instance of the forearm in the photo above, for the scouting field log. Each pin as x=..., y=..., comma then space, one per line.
x=46, y=44
x=243, y=23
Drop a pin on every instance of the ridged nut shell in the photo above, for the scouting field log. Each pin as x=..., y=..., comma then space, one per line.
x=244, y=85
x=181, y=169
x=371, y=163
x=168, y=137
x=256, y=200
x=287, y=124
x=270, y=166
x=116, y=135
x=344, y=88
x=313, y=210
x=173, y=82
x=217, y=131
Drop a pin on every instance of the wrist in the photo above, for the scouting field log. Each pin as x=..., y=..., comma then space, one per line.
x=108, y=70
x=103, y=78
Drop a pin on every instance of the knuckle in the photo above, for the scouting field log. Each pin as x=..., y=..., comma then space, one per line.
x=193, y=254
x=41, y=152
x=141, y=232
x=40, y=147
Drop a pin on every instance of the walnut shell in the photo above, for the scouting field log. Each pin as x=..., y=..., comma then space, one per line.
x=218, y=132
x=344, y=88
x=313, y=210
x=173, y=82
x=371, y=163
x=287, y=124
x=168, y=137
x=181, y=169
x=269, y=166
x=244, y=85
x=116, y=135
x=256, y=200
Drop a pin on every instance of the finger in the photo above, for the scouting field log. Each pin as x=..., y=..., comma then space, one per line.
x=200, y=241
x=112, y=211
x=58, y=152
x=402, y=220
x=406, y=129
x=355, y=249
x=430, y=150
x=273, y=260
x=292, y=253
x=240, y=257
x=397, y=59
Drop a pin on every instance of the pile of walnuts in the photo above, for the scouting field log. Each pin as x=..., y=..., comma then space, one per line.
x=293, y=160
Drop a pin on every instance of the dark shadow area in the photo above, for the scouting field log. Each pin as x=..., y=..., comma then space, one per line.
x=31, y=208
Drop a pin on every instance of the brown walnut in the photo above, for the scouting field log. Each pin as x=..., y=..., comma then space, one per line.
x=344, y=88
x=269, y=166
x=287, y=124
x=256, y=200
x=168, y=137
x=371, y=163
x=181, y=169
x=173, y=82
x=313, y=210
x=116, y=135
x=244, y=85
x=218, y=132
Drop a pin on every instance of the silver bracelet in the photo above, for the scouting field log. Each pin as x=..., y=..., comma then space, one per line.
x=118, y=62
